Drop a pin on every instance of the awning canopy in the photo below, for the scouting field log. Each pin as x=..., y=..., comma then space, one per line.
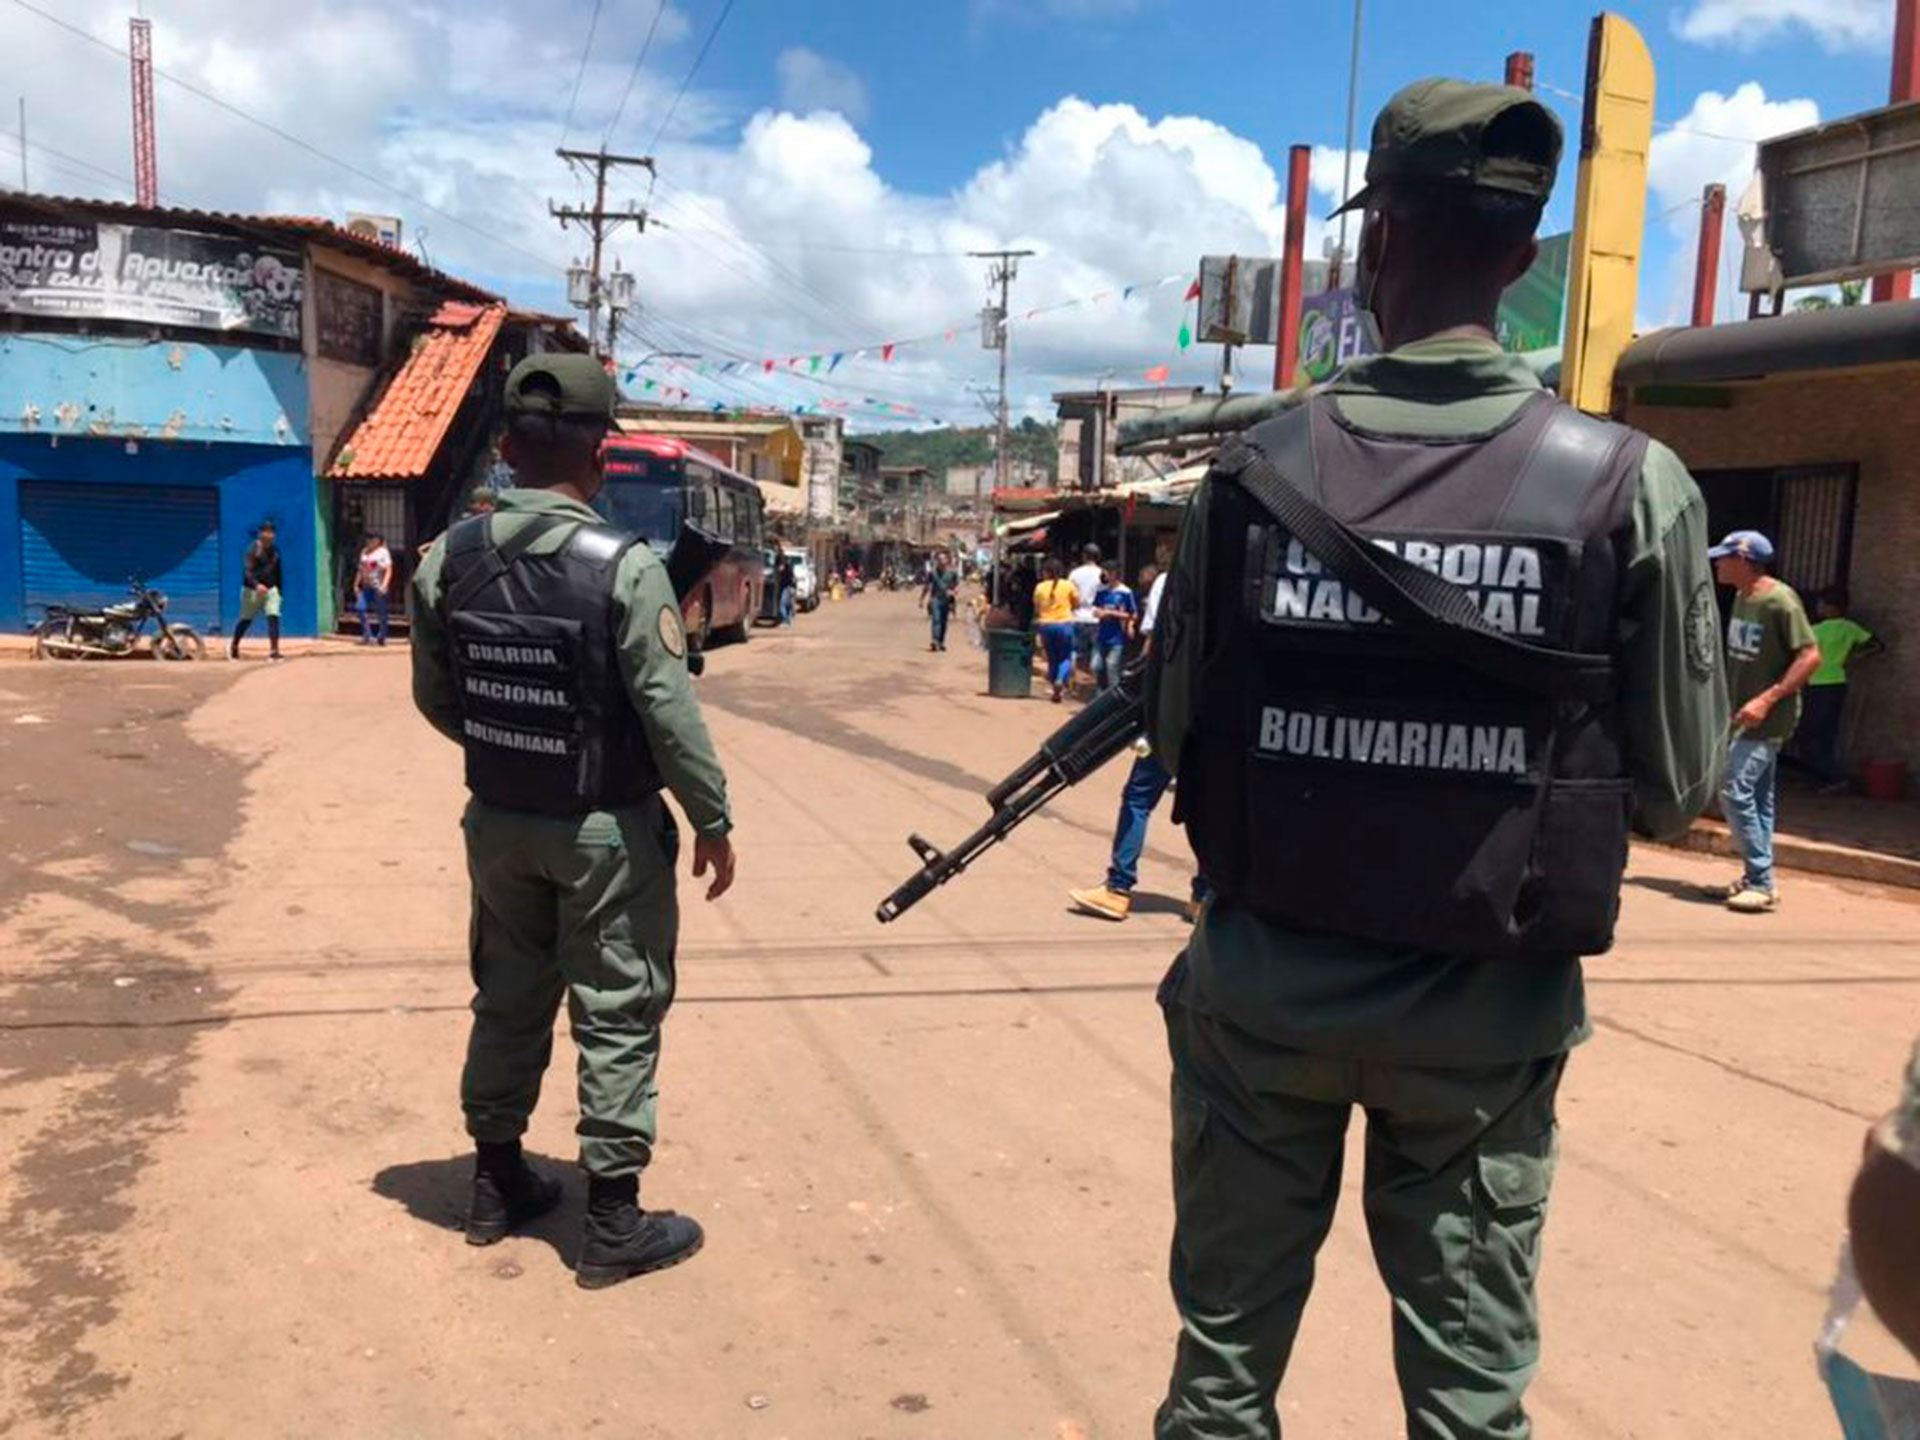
x=782, y=499
x=1844, y=337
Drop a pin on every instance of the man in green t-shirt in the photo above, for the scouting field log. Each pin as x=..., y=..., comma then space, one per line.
x=1842, y=640
x=1771, y=654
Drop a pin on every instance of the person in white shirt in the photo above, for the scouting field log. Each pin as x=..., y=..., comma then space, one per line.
x=1085, y=579
x=371, y=584
x=1147, y=782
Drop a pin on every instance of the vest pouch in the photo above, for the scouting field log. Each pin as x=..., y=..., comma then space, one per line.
x=1573, y=898
x=1389, y=847
x=521, y=715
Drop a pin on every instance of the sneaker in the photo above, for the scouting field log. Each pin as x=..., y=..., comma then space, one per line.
x=1723, y=891
x=1752, y=900
x=1107, y=904
x=276, y=657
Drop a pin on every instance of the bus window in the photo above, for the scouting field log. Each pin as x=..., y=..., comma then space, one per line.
x=720, y=518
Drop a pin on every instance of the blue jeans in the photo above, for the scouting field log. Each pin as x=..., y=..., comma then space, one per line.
x=937, y=613
x=1753, y=774
x=1147, y=781
x=1106, y=664
x=1058, y=638
x=786, y=606
x=376, y=600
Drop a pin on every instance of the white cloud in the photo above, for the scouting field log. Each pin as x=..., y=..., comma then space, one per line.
x=1745, y=24
x=1713, y=143
x=810, y=81
x=768, y=219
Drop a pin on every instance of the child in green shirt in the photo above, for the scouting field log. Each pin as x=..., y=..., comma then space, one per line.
x=1842, y=640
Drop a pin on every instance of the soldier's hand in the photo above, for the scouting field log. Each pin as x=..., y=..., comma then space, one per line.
x=714, y=852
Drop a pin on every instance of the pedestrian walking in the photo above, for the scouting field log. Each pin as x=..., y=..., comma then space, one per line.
x=789, y=588
x=937, y=596
x=551, y=648
x=1054, y=602
x=1407, y=745
x=1147, y=782
x=260, y=581
x=1086, y=584
x=1771, y=654
x=371, y=582
x=1842, y=641
x=1114, y=613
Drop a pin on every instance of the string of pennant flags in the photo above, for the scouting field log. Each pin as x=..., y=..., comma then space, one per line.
x=818, y=364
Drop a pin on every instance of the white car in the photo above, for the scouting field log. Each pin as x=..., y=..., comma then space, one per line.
x=806, y=584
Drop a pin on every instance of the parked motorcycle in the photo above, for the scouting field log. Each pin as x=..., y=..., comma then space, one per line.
x=117, y=631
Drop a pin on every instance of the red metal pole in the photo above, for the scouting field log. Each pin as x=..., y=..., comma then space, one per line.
x=1906, y=69
x=1520, y=69
x=1286, y=355
x=1706, y=265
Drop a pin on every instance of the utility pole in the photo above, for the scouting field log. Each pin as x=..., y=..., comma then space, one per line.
x=23, y=145
x=1006, y=265
x=598, y=222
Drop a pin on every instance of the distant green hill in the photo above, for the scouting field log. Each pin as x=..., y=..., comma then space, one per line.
x=939, y=450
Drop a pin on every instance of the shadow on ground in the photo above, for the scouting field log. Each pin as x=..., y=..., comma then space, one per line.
x=435, y=1192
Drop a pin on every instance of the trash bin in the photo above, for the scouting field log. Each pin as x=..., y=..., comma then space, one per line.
x=1010, y=664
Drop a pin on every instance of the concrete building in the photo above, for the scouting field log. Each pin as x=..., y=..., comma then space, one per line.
x=1090, y=422
x=1804, y=426
x=171, y=378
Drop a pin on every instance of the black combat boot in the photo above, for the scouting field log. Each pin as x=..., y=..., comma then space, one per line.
x=622, y=1240
x=507, y=1192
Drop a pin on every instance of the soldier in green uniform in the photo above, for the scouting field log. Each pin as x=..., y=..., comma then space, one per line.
x=1408, y=857
x=551, y=649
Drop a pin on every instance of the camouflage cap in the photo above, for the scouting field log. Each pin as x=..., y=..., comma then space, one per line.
x=1495, y=137
x=562, y=385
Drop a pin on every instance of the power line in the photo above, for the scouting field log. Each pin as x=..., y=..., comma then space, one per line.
x=585, y=51
x=308, y=146
x=659, y=9
x=692, y=70
x=71, y=160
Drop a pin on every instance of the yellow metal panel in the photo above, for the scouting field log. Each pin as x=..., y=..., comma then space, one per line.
x=1610, y=210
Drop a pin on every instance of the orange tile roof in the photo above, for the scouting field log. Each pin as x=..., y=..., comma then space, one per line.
x=400, y=435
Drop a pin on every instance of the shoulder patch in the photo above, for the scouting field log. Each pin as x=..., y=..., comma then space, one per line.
x=1703, y=631
x=673, y=635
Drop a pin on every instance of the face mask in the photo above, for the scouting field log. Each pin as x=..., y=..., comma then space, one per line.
x=1366, y=290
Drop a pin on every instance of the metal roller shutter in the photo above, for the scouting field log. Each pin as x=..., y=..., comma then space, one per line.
x=80, y=544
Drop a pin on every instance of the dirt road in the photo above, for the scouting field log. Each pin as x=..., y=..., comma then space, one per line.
x=931, y=1159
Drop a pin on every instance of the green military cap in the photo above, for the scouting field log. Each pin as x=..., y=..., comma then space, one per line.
x=1496, y=137
x=562, y=385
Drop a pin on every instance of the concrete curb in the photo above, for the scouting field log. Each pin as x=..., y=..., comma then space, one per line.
x=1818, y=857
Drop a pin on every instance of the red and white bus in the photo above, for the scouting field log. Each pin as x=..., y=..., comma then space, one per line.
x=653, y=483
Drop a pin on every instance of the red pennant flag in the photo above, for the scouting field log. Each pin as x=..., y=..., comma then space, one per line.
x=886, y=352
x=767, y=365
x=1159, y=374
x=1193, y=291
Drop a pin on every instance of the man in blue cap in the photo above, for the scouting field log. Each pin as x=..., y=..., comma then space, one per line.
x=1771, y=654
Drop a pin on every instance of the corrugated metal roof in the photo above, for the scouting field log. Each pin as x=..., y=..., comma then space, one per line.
x=304, y=227
x=401, y=434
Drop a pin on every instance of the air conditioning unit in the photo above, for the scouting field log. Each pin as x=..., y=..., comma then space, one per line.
x=384, y=229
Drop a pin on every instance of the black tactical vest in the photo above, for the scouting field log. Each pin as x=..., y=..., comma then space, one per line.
x=548, y=723
x=1341, y=776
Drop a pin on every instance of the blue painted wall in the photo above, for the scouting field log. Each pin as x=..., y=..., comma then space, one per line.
x=254, y=483
x=82, y=385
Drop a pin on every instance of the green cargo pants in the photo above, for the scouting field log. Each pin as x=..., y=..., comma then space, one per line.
x=1457, y=1171
x=581, y=905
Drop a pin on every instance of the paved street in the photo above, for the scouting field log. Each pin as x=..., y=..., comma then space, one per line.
x=931, y=1159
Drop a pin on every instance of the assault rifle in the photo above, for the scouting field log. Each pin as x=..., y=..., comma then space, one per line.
x=1078, y=748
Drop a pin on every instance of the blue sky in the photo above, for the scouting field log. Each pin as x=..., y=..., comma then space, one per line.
x=1120, y=138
